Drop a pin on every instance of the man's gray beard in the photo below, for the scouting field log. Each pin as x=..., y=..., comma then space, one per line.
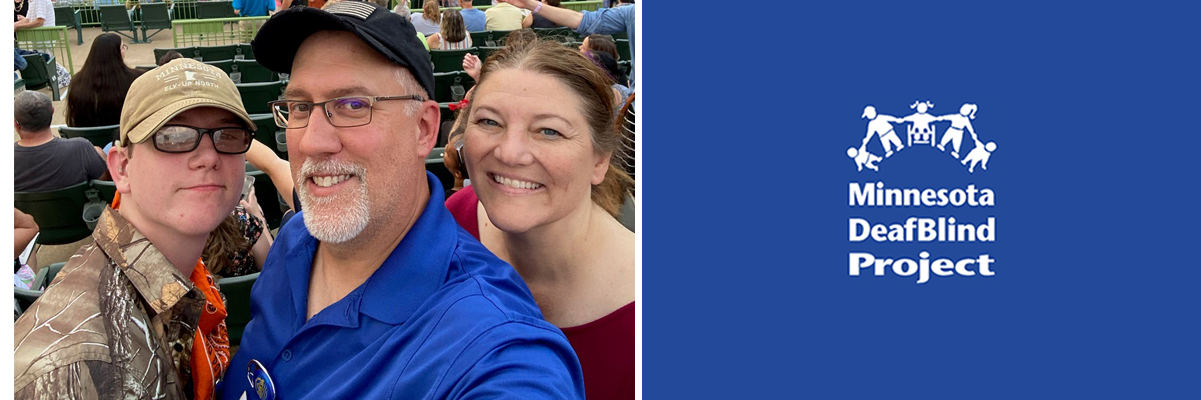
x=343, y=224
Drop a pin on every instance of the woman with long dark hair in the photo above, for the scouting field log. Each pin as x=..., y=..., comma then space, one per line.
x=98, y=90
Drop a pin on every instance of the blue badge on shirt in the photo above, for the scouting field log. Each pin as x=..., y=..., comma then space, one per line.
x=260, y=380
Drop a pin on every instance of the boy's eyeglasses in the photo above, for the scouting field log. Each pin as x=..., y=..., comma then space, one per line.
x=183, y=139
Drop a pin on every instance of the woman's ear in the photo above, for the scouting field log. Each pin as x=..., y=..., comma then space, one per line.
x=600, y=167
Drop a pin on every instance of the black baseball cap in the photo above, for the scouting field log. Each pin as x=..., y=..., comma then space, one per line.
x=388, y=33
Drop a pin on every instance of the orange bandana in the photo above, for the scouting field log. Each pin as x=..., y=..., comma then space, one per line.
x=210, y=349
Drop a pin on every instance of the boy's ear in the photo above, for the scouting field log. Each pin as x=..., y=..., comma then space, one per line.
x=118, y=165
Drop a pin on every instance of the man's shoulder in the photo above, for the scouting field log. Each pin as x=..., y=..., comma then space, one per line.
x=483, y=288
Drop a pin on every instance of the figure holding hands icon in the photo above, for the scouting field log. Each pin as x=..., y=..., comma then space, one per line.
x=959, y=122
x=881, y=125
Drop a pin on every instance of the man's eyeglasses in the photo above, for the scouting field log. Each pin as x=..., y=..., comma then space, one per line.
x=183, y=139
x=343, y=112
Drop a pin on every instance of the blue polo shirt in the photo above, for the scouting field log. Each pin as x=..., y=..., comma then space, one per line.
x=442, y=318
x=474, y=19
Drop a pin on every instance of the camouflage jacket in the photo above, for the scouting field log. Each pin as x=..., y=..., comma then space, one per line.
x=118, y=322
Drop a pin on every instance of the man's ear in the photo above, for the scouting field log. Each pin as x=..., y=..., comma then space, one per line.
x=118, y=168
x=427, y=127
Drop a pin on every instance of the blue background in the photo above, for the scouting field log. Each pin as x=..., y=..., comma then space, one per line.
x=747, y=114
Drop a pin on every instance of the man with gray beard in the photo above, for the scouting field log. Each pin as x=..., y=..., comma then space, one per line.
x=374, y=291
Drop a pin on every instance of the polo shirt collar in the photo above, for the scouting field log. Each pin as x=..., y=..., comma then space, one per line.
x=415, y=269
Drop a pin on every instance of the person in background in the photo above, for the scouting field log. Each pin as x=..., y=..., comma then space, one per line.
x=168, y=56
x=138, y=290
x=606, y=20
x=427, y=21
x=453, y=35
x=613, y=71
x=537, y=21
x=473, y=17
x=253, y=8
x=503, y=17
x=33, y=14
x=375, y=292
x=601, y=43
x=240, y=243
x=544, y=196
x=26, y=230
x=451, y=160
x=98, y=90
x=402, y=9
x=43, y=162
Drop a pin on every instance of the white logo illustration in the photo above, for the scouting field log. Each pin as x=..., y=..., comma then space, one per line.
x=921, y=130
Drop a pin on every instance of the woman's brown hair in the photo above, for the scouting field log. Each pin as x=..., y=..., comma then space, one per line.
x=222, y=243
x=430, y=11
x=453, y=30
x=592, y=88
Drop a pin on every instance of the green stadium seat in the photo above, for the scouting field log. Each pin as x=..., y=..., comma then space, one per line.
x=215, y=9
x=224, y=65
x=250, y=71
x=489, y=38
x=269, y=134
x=255, y=96
x=100, y=136
x=449, y=60
x=155, y=16
x=244, y=52
x=623, y=49
x=107, y=189
x=486, y=51
x=116, y=18
x=451, y=86
x=59, y=213
x=268, y=196
x=69, y=17
x=189, y=52
x=225, y=52
x=40, y=73
x=237, y=304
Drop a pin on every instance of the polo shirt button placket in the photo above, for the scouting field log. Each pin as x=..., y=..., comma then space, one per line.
x=287, y=355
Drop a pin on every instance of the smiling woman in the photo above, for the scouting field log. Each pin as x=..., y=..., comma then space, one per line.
x=539, y=140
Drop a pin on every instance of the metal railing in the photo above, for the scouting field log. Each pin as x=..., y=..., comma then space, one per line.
x=89, y=12
x=53, y=39
x=215, y=31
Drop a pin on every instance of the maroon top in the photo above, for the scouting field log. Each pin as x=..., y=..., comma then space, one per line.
x=606, y=351
x=463, y=205
x=605, y=346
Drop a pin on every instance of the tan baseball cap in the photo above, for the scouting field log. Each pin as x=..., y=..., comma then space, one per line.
x=180, y=85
